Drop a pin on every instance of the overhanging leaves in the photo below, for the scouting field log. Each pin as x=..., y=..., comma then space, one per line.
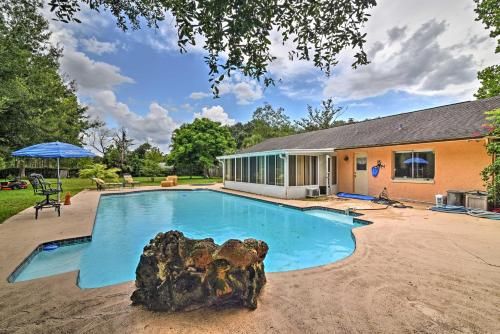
x=237, y=32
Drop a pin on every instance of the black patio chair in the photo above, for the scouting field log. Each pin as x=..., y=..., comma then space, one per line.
x=44, y=188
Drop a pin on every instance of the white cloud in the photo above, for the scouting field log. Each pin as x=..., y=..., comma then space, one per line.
x=423, y=48
x=360, y=104
x=417, y=65
x=98, y=47
x=96, y=81
x=165, y=37
x=283, y=68
x=156, y=126
x=216, y=114
x=198, y=95
x=186, y=106
x=244, y=90
x=89, y=75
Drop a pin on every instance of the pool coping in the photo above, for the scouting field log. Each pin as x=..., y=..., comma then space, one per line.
x=88, y=238
x=60, y=243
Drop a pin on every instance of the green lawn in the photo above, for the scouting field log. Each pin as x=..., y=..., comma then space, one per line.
x=14, y=201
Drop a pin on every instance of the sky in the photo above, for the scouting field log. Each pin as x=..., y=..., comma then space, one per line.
x=422, y=54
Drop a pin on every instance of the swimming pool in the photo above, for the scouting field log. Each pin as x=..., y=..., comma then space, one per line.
x=125, y=223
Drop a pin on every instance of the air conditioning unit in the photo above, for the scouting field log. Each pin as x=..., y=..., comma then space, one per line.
x=476, y=200
x=312, y=192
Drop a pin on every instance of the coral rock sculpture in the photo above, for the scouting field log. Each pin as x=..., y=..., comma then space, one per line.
x=177, y=273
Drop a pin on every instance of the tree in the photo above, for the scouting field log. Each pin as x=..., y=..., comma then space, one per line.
x=317, y=30
x=154, y=154
x=136, y=158
x=141, y=150
x=122, y=144
x=99, y=137
x=491, y=174
x=323, y=118
x=196, y=145
x=36, y=105
x=240, y=132
x=490, y=82
x=488, y=11
x=112, y=157
x=268, y=122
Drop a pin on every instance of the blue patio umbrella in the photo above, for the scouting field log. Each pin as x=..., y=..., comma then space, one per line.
x=416, y=161
x=54, y=150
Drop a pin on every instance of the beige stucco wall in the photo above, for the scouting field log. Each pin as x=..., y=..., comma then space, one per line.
x=458, y=166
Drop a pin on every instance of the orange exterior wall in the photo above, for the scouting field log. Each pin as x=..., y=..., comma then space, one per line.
x=457, y=167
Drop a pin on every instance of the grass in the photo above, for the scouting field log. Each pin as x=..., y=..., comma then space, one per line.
x=14, y=201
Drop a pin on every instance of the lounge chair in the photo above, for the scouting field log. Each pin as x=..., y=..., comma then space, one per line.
x=169, y=181
x=129, y=181
x=172, y=178
x=44, y=188
x=103, y=185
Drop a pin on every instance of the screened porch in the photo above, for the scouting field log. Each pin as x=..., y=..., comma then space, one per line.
x=283, y=174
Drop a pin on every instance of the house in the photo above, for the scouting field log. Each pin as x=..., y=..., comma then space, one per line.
x=419, y=154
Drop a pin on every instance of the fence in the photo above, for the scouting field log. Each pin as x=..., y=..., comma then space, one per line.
x=46, y=172
x=215, y=171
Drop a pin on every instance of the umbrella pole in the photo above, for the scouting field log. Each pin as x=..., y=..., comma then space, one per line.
x=58, y=183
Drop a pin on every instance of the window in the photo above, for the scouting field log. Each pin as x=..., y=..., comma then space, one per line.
x=361, y=163
x=238, y=169
x=414, y=165
x=280, y=171
x=244, y=173
x=229, y=165
x=253, y=170
x=260, y=169
x=233, y=169
x=271, y=169
x=302, y=170
x=292, y=170
x=314, y=170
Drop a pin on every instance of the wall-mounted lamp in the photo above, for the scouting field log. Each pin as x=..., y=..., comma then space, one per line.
x=346, y=157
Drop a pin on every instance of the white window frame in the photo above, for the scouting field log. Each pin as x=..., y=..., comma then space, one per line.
x=412, y=178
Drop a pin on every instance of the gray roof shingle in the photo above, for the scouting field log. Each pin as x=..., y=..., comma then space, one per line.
x=455, y=121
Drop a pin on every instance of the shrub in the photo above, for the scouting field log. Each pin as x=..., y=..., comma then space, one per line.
x=491, y=174
x=151, y=168
x=99, y=171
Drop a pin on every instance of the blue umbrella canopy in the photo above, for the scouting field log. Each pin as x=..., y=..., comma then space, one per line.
x=53, y=150
x=416, y=161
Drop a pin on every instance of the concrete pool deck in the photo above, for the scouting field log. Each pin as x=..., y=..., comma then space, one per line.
x=413, y=271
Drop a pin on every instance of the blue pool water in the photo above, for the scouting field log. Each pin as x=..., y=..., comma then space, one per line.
x=125, y=223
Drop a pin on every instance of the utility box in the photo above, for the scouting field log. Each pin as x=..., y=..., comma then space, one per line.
x=455, y=197
x=476, y=200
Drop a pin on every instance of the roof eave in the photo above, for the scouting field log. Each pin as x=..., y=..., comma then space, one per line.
x=275, y=152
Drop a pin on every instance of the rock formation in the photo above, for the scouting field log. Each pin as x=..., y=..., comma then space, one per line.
x=177, y=273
